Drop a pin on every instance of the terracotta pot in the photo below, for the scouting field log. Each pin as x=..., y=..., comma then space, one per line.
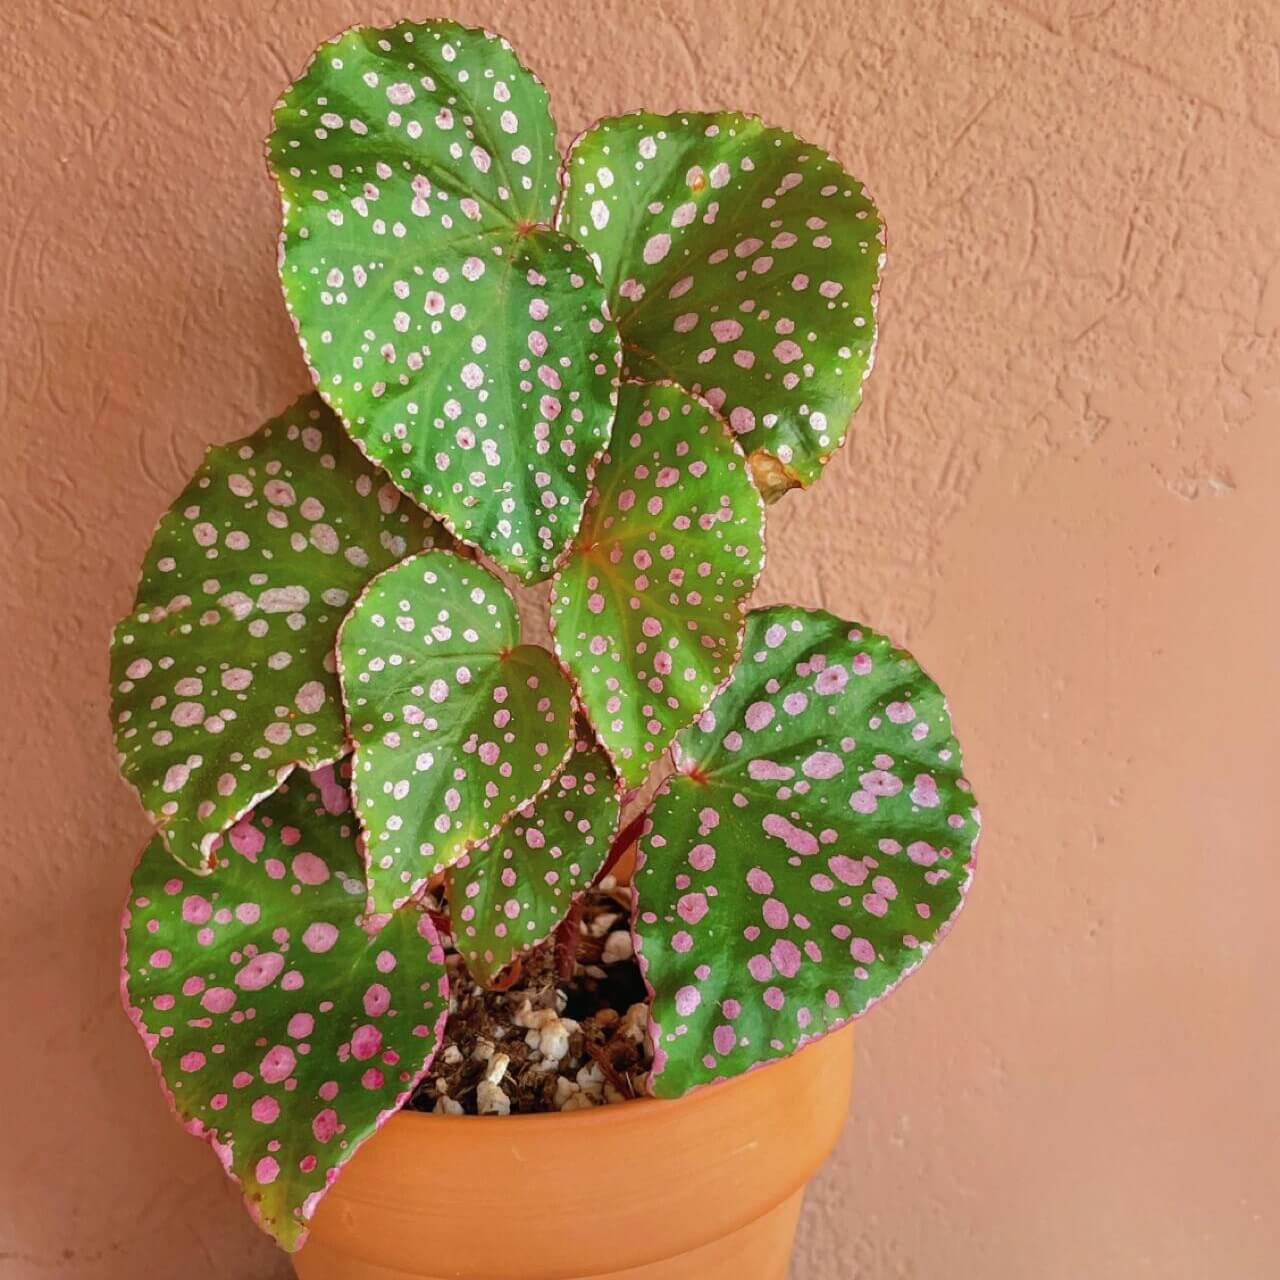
x=704, y=1188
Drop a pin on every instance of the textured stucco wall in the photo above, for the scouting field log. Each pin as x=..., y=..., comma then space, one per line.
x=1061, y=494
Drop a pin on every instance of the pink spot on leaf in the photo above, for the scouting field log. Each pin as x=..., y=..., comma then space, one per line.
x=219, y=999
x=265, y=1110
x=687, y=1000
x=319, y=937
x=366, y=1041
x=377, y=1000
x=692, y=907
x=786, y=957
x=277, y=1064
x=325, y=1125
x=310, y=869
x=261, y=971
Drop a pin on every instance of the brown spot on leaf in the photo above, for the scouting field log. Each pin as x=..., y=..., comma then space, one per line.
x=773, y=478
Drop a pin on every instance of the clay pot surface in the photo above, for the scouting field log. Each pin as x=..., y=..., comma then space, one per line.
x=708, y=1186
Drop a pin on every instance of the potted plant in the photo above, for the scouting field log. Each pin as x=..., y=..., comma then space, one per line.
x=377, y=804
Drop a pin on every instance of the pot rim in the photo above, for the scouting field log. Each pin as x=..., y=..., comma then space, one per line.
x=699, y=1168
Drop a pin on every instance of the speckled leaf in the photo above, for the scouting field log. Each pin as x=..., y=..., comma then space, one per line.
x=511, y=894
x=816, y=842
x=284, y=1031
x=223, y=676
x=463, y=341
x=648, y=611
x=743, y=264
x=456, y=723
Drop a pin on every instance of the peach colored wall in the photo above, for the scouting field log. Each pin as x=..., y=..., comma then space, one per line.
x=1062, y=493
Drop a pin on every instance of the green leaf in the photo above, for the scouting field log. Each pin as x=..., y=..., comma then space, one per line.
x=816, y=843
x=284, y=1028
x=456, y=723
x=510, y=895
x=464, y=343
x=743, y=264
x=223, y=676
x=648, y=611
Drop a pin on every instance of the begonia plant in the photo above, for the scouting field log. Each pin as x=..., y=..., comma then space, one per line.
x=592, y=372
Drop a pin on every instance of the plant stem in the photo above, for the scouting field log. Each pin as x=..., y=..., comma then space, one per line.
x=621, y=843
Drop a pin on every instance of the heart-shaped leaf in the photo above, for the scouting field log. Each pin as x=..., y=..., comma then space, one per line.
x=509, y=895
x=743, y=264
x=223, y=676
x=456, y=723
x=284, y=1029
x=464, y=343
x=648, y=611
x=816, y=843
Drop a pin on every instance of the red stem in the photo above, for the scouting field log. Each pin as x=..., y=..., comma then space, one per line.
x=566, y=942
x=621, y=843
x=566, y=932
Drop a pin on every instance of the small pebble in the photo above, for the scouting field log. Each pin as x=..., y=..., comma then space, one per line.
x=553, y=1040
x=635, y=1022
x=491, y=1101
x=617, y=947
x=527, y=1016
x=590, y=1076
x=603, y=923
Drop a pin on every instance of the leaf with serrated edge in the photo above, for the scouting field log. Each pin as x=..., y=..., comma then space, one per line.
x=464, y=343
x=456, y=723
x=284, y=1030
x=223, y=678
x=509, y=895
x=815, y=844
x=648, y=611
x=740, y=262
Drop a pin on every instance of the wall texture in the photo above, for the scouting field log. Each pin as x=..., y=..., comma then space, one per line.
x=1061, y=493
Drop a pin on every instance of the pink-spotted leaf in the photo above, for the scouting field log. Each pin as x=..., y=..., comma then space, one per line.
x=456, y=724
x=815, y=843
x=648, y=610
x=284, y=1027
x=743, y=264
x=509, y=895
x=462, y=340
x=222, y=677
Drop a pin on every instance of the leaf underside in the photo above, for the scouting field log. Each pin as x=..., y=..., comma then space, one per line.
x=284, y=1032
x=648, y=612
x=463, y=342
x=816, y=843
x=223, y=676
x=740, y=262
x=456, y=724
x=510, y=895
